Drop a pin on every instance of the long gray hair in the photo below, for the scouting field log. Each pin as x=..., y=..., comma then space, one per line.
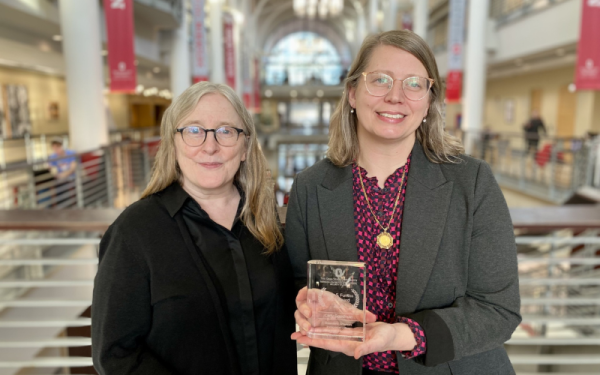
x=259, y=212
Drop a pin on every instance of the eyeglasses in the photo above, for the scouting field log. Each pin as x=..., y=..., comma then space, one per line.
x=414, y=88
x=195, y=136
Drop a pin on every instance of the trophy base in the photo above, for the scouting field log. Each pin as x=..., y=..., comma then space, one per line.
x=352, y=334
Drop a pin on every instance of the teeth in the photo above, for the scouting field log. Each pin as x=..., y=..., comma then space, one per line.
x=391, y=116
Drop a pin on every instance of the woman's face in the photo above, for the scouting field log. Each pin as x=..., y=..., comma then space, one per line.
x=210, y=168
x=390, y=118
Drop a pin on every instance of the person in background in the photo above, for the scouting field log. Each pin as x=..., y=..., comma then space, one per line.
x=63, y=164
x=194, y=277
x=397, y=193
x=534, y=128
x=62, y=161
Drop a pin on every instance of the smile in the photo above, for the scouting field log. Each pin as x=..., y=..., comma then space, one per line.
x=211, y=165
x=397, y=116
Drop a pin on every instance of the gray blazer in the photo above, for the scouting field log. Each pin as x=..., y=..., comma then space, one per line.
x=457, y=275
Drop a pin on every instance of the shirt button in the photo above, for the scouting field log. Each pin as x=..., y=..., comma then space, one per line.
x=390, y=305
x=380, y=213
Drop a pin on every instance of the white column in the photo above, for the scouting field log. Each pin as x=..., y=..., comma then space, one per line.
x=373, y=8
x=80, y=25
x=217, y=66
x=181, y=71
x=421, y=17
x=391, y=14
x=238, y=19
x=475, y=70
x=361, y=30
x=361, y=27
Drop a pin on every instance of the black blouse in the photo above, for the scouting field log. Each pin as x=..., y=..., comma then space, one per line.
x=246, y=278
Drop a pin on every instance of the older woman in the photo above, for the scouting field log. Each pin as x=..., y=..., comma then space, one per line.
x=193, y=278
x=431, y=224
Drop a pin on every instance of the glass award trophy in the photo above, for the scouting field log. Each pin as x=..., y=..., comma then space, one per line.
x=336, y=296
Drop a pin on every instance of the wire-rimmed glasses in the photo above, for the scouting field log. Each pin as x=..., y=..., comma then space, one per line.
x=414, y=88
x=195, y=136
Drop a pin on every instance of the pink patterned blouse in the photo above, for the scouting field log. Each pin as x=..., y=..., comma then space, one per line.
x=382, y=265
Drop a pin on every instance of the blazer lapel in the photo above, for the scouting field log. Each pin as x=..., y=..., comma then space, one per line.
x=424, y=219
x=336, y=210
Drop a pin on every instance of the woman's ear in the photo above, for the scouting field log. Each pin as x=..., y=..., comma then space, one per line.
x=352, y=97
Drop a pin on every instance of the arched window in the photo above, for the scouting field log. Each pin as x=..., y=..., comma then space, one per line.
x=303, y=58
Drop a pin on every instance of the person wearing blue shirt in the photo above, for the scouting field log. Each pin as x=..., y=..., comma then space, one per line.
x=61, y=166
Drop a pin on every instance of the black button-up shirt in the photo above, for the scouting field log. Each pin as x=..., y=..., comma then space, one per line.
x=244, y=275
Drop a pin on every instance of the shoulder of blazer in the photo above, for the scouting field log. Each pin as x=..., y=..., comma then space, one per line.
x=324, y=173
x=466, y=170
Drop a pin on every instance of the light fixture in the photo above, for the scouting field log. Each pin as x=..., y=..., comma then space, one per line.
x=324, y=8
x=293, y=93
x=151, y=91
x=320, y=93
x=57, y=38
x=572, y=87
x=268, y=93
x=165, y=94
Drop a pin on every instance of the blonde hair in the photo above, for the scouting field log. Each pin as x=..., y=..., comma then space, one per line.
x=439, y=146
x=259, y=211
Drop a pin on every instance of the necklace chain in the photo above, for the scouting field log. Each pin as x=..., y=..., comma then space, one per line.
x=395, y=203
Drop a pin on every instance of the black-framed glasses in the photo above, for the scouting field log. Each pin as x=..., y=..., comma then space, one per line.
x=414, y=88
x=195, y=136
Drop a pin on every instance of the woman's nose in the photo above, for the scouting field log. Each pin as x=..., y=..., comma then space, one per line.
x=210, y=145
x=396, y=94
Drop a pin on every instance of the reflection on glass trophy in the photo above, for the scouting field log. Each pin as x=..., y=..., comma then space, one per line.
x=336, y=296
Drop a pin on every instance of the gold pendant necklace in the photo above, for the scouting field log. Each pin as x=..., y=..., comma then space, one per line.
x=384, y=239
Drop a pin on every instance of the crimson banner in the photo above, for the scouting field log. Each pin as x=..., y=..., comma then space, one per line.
x=456, y=36
x=200, y=60
x=453, y=86
x=229, y=50
x=121, y=53
x=587, y=73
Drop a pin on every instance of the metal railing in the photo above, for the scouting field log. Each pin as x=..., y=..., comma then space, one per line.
x=46, y=281
x=112, y=176
x=34, y=148
x=46, y=286
x=508, y=10
x=553, y=170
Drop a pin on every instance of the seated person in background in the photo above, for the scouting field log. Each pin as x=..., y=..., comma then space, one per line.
x=61, y=166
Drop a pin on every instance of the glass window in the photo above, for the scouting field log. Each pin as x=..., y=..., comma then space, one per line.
x=303, y=58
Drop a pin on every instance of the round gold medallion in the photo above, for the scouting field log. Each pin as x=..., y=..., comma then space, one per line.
x=385, y=240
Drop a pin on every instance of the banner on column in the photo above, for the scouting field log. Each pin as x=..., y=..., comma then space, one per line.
x=587, y=73
x=229, y=50
x=121, y=53
x=256, y=86
x=456, y=32
x=200, y=60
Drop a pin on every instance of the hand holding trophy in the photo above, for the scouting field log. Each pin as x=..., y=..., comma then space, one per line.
x=336, y=297
x=332, y=313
